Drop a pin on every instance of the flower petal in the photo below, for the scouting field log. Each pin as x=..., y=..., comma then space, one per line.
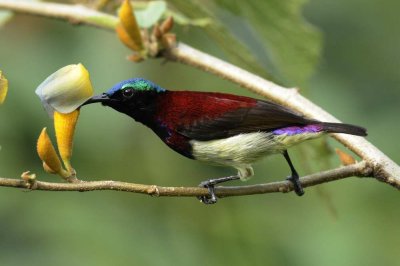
x=130, y=25
x=47, y=153
x=66, y=89
x=3, y=88
x=345, y=158
x=64, y=125
x=125, y=38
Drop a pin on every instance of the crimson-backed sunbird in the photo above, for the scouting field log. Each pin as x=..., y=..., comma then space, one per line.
x=218, y=128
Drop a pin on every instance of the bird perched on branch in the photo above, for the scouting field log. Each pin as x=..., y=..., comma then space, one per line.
x=218, y=128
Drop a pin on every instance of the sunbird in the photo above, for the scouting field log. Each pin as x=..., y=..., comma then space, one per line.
x=218, y=128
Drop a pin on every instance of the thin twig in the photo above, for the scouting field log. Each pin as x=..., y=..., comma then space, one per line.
x=75, y=14
x=383, y=168
x=359, y=169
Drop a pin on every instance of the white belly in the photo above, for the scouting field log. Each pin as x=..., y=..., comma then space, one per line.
x=244, y=149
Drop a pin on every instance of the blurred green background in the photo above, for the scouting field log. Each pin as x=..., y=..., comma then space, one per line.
x=349, y=222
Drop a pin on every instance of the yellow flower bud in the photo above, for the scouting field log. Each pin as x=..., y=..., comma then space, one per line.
x=345, y=158
x=128, y=31
x=3, y=88
x=64, y=125
x=48, y=169
x=126, y=39
x=66, y=89
x=47, y=153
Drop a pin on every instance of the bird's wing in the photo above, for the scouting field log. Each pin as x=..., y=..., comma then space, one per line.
x=217, y=116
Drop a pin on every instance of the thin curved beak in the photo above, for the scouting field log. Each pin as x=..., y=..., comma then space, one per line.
x=102, y=98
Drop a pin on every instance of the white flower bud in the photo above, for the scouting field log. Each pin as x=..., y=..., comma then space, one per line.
x=66, y=89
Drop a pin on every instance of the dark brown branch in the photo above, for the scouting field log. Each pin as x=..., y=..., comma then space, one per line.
x=358, y=169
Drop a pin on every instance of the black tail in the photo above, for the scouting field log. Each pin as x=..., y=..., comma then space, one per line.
x=344, y=128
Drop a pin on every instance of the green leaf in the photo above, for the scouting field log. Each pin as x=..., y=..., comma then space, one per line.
x=149, y=12
x=183, y=20
x=149, y=15
x=272, y=34
x=293, y=44
x=3, y=87
x=236, y=52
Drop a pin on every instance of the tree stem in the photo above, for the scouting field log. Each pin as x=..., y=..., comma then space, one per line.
x=359, y=169
x=75, y=14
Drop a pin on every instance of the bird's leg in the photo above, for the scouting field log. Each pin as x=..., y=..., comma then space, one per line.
x=294, y=177
x=212, y=198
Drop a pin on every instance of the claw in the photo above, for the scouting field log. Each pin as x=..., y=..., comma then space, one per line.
x=298, y=188
x=294, y=178
x=209, y=199
x=212, y=198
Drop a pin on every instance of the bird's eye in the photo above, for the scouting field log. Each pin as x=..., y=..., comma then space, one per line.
x=127, y=93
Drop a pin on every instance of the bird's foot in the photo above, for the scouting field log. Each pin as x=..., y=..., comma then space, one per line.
x=210, y=184
x=211, y=198
x=298, y=188
x=294, y=178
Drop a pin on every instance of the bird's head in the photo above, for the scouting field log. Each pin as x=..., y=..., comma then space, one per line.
x=128, y=95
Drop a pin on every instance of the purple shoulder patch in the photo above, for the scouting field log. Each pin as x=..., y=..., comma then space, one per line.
x=294, y=130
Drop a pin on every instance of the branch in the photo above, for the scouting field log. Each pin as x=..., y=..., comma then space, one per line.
x=383, y=168
x=360, y=169
x=72, y=13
